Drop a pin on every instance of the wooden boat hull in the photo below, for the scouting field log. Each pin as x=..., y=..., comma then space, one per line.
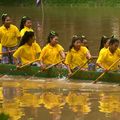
x=8, y=69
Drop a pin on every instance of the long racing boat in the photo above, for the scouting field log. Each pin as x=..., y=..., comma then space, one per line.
x=8, y=69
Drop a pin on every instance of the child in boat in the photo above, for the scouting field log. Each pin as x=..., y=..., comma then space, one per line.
x=9, y=36
x=53, y=52
x=77, y=55
x=27, y=51
x=26, y=25
x=109, y=56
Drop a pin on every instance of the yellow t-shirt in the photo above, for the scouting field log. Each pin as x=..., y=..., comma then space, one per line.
x=22, y=32
x=106, y=59
x=27, y=53
x=102, y=51
x=9, y=37
x=77, y=58
x=51, y=55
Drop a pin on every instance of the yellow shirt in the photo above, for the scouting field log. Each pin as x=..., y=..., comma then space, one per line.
x=9, y=37
x=27, y=53
x=76, y=58
x=106, y=59
x=102, y=51
x=22, y=32
x=51, y=55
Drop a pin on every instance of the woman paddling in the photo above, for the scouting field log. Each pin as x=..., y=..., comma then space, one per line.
x=26, y=52
x=9, y=36
x=53, y=52
x=109, y=56
x=77, y=55
x=26, y=25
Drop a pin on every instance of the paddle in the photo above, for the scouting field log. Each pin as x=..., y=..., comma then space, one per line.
x=7, y=52
x=24, y=65
x=106, y=71
x=78, y=69
x=50, y=66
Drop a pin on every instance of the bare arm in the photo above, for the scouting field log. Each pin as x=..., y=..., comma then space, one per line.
x=62, y=54
x=88, y=55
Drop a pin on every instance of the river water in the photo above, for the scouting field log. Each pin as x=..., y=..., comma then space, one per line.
x=58, y=99
x=54, y=99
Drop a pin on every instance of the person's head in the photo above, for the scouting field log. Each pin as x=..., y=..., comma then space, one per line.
x=84, y=41
x=25, y=21
x=53, y=38
x=76, y=42
x=104, y=42
x=28, y=38
x=113, y=44
x=6, y=20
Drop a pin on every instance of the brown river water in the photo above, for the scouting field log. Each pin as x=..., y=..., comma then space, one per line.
x=58, y=99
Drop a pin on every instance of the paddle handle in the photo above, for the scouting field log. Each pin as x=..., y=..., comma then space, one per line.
x=54, y=64
x=106, y=71
x=78, y=69
x=28, y=63
x=7, y=52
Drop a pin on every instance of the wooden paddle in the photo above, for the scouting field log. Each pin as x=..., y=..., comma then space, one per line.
x=24, y=65
x=7, y=52
x=78, y=69
x=105, y=71
x=50, y=66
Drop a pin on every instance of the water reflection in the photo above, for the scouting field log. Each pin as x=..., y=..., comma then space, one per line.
x=109, y=103
x=24, y=101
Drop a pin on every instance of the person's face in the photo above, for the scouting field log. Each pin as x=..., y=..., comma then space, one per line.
x=31, y=41
x=28, y=23
x=54, y=41
x=7, y=21
x=77, y=44
x=114, y=46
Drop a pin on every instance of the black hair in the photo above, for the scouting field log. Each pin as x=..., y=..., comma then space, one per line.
x=82, y=38
x=103, y=41
x=74, y=39
x=3, y=17
x=51, y=35
x=26, y=37
x=23, y=21
x=113, y=40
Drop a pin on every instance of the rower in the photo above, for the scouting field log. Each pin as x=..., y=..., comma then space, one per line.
x=77, y=55
x=53, y=52
x=9, y=36
x=26, y=52
x=109, y=56
x=26, y=25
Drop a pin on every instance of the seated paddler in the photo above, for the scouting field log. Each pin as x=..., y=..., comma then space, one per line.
x=109, y=56
x=53, y=52
x=77, y=56
x=27, y=52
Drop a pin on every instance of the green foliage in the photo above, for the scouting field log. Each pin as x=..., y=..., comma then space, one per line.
x=4, y=116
